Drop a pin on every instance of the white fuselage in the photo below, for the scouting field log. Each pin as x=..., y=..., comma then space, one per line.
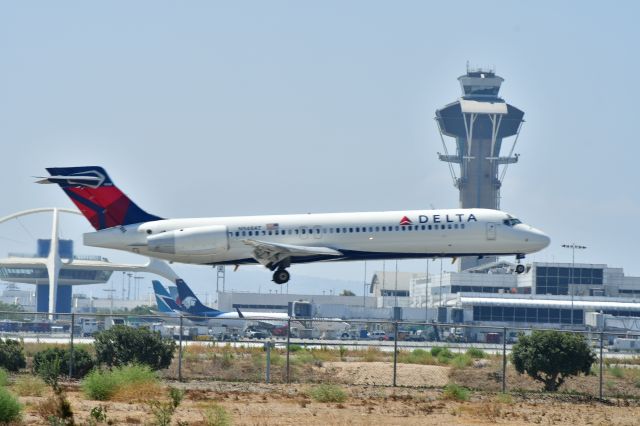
x=357, y=236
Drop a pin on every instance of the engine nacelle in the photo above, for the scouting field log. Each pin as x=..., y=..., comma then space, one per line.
x=202, y=240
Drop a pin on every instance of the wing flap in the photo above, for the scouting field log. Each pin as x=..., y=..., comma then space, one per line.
x=271, y=253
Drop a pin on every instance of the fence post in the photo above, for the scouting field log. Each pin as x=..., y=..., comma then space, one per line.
x=395, y=352
x=180, y=352
x=267, y=347
x=288, y=342
x=601, y=361
x=71, y=357
x=504, y=360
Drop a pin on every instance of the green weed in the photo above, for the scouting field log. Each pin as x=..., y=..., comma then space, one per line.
x=455, y=393
x=328, y=393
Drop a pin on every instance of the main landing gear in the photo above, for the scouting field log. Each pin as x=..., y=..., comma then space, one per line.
x=281, y=276
x=519, y=267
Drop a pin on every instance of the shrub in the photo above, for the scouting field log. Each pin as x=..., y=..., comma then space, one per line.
x=295, y=348
x=215, y=415
x=616, y=371
x=82, y=361
x=99, y=385
x=12, y=355
x=476, y=353
x=122, y=345
x=56, y=410
x=552, y=356
x=455, y=392
x=443, y=354
x=29, y=386
x=461, y=361
x=104, y=385
x=417, y=356
x=10, y=408
x=328, y=393
x=163, y=411
x=4, y=377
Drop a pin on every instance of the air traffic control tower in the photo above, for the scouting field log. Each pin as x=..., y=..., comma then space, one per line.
x=479, y=121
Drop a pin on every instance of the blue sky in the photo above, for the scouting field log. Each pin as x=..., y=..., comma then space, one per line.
x=234, y=108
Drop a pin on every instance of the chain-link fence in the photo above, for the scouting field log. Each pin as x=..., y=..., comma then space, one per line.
x=378, y=353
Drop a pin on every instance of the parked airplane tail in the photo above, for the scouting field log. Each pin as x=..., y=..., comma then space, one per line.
x=161, y=297
x=99, y=200
x=190, y=302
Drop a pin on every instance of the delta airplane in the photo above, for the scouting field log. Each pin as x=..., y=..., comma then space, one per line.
x=278, y=241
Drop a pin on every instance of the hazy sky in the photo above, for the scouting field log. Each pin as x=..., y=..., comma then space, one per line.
x=235, y=108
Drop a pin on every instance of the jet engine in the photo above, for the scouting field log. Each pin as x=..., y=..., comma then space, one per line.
x=202, y=240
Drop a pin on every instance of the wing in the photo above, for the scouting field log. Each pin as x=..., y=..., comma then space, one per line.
x=270, y=254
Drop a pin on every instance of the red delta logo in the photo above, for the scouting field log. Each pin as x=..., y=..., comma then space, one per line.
x=405, y=221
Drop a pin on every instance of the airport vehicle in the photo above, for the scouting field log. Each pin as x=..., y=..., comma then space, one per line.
x=277, y=241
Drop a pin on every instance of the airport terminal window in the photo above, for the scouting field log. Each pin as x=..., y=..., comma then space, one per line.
x=620, y=313
x=530, y=315
x=556, y=280
x=478, y=289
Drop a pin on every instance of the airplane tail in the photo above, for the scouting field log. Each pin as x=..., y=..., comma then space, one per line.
x=189, y=301
x=99, y=200
x=161, y=297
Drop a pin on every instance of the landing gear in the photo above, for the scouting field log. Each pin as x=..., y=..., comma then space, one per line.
x=281, y=276
x=519, y=267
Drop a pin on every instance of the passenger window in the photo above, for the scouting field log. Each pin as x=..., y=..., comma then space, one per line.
x=442, y=227
x=449, y=226
x=244, y=233
x=462, y=225
x=237, y=234
x=455, y=226
x=384, y=228
x=397, y=228
x=377, y=229
x=297, y=231
x=269, y=232
x=429, y=226
x=337, y=230
x=350, y=229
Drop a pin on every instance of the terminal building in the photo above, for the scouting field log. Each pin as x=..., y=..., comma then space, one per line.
x=547, y=294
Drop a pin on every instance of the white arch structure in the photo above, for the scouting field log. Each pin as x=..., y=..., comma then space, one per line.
x=54, y=262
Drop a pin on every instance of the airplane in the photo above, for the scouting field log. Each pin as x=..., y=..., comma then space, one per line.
x=188, y=305
x=278, y=241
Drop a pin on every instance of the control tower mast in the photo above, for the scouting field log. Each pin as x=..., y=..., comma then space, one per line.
x=479, y=121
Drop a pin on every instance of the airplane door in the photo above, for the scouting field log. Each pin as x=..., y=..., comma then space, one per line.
x=491, y=231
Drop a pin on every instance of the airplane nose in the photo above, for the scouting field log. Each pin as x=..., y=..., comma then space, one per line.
x=539, y=239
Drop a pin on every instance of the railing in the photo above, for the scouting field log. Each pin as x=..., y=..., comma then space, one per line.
x=395, y=353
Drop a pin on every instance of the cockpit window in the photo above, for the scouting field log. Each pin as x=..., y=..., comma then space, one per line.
x=512, y=221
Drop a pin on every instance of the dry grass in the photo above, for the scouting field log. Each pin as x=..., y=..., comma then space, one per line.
x=139, y=392
x=29, y=386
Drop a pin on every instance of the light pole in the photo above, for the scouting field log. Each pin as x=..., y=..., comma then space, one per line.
x=573, y=247
x=364, y=286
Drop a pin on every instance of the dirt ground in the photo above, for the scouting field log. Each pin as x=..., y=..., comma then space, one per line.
x=281, y=404
x=381, y=374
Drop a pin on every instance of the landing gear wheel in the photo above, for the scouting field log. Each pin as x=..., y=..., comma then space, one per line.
x=281, y=276
x=519, y=269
